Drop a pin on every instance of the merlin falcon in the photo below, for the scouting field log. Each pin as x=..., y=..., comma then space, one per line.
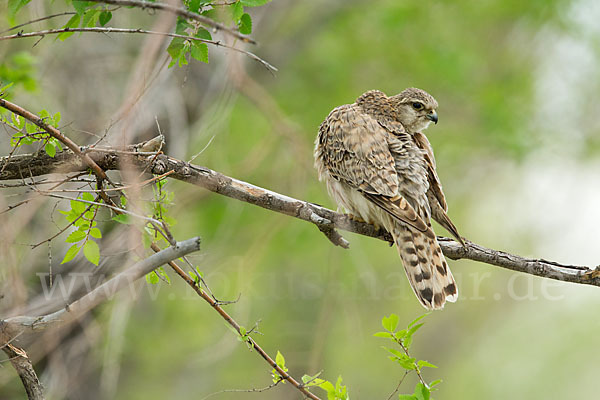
x=379, y=166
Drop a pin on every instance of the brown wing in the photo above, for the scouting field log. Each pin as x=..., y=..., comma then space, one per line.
x=437, y=200
x=357, y=154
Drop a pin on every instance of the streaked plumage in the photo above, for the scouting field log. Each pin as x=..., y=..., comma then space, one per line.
x=380, y=167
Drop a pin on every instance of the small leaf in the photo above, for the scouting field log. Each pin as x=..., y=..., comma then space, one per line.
x=80, y=6
x=71, y=253
x=423, y=363
x=6, y=87
x=280, y=360
x=122, y=219
x=152, y=278
x=56, y=118
x=87, y=196
x=418, y=319
x=200, y=51
x=422, y=392
x=90, y=18
x=201, y=34
x=105, y=16
x=384, y=335
x=390, y=323
x=436, y=382
x=245, y=24
x=15, y=5
x=407, y=397
x=237, y=10
x=91, y=251
x=78, y=206
x=50, y=149
x=95, y=233
x=75, y=236
x=72, y=23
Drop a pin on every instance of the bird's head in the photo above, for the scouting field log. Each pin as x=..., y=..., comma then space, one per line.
x=415, y=109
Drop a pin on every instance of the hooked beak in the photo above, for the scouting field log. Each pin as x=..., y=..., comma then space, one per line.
x=432, y=116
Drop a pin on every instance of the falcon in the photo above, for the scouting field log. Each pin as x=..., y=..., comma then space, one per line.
x=379, y=166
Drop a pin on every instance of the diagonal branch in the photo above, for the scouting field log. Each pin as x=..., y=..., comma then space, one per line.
x=328, y=221
x=13, y=326
x=22, y=364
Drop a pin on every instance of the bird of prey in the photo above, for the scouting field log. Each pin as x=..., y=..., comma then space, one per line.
x=379, y=166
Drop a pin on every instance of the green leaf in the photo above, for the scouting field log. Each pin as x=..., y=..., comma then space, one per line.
x=95, y=233
x=75, y=236
x=78, y=206
x=422, y=392
x=72, y=23
x=407, y=397
x=384, y=335
x=152, y=278
x=194, y=5
x=436, y=382
x=418, y=319
x=105, y=16
x=56, y=118
x=245, y=24
x=200, y=51
x=71, y=253
x=6, y=87
x=122, y=219
x=30, y=128
x=80, y=6
x=423, y=363
x=254, y=3
x=327, y=386
x=90, y=18
x=91, y=251
x=280, y=360
x=50, y=149
x=202, y=34
x=87, y=196
x=162, y=273
x=390, y=323
x=237, y=10
x=15, y=5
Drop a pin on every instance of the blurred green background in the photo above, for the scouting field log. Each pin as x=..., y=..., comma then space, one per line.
x=518, y=152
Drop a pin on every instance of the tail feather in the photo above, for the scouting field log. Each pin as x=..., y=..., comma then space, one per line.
x=426, y=267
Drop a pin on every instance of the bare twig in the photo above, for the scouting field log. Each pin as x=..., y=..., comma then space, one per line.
x=323, y=218
x=181, y=12
x=97, y=29
x=12, y=28
x=251, y=342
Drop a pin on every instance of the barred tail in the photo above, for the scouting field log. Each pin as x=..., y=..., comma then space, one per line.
x=425, y=266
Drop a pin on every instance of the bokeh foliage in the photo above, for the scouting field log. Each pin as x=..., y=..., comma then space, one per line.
x=484, y=62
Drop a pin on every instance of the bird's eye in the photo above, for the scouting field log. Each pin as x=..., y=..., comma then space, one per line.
x=417, y=106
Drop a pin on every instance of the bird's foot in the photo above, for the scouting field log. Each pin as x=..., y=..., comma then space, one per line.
x=356, y=218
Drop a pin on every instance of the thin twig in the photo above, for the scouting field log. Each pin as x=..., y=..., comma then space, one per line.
x=105, y=30
x=251, y=342
x=181, y=12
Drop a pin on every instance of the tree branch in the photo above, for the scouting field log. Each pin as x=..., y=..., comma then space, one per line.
x=181, y=12
x=105, y=30
x=326, y=220
x=13, y=326
x=19, y=360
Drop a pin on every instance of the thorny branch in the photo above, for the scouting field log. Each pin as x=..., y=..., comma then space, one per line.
x=326, y=220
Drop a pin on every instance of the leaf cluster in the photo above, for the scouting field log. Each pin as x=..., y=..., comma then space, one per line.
x=403, y=338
